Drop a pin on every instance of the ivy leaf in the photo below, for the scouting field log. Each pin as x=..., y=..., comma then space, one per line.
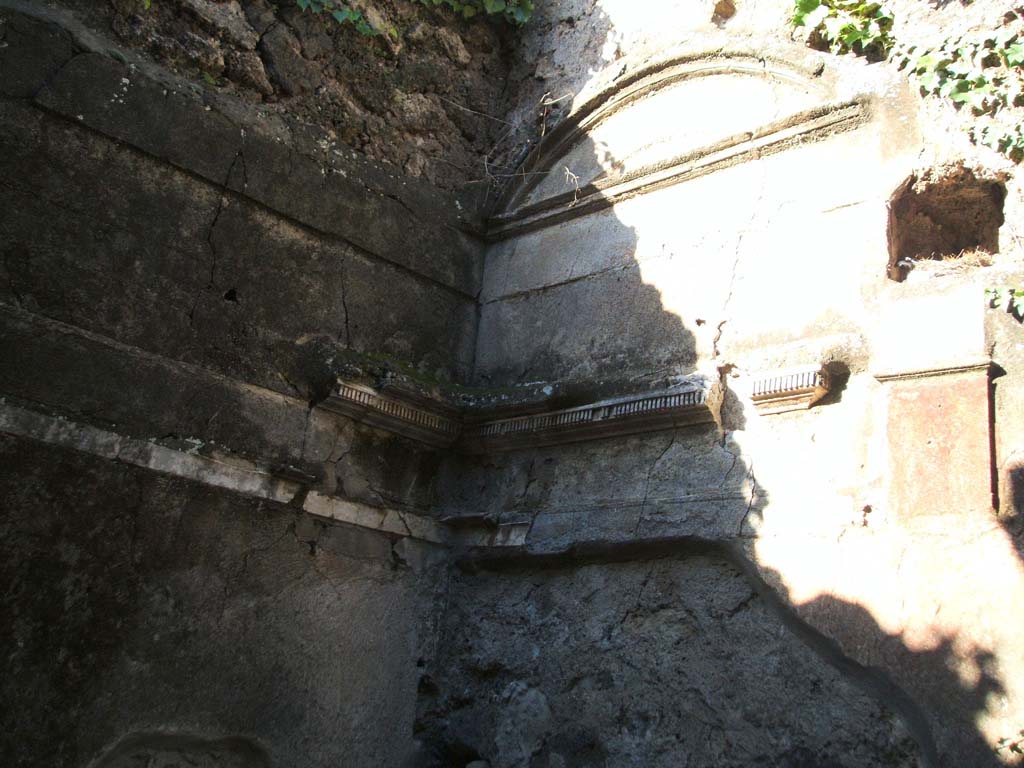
x=834, y=28
x=949, y=88
x=1002, y=37
x=1014, y=54
x=963, y=68
x=1017, y=303
x=814, y=18
x=961, y=97
x=997, y=297
x=803, y=9
x=930, y=81
x=929, y=62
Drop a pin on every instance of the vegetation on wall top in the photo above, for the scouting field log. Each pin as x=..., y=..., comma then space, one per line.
x=983, y=73
x=345, y=11
x=848, y=26
x=1010, y=300
x=515, y=11
x=980, y=72
x=341, y=12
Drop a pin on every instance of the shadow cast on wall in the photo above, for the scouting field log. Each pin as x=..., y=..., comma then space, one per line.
x=651, y=639
x=645, y=631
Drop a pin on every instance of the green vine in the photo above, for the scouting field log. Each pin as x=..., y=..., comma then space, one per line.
x=979, y=72
x=848, y=26
x=1011, y=300
x=341, y=13
x=514, y=11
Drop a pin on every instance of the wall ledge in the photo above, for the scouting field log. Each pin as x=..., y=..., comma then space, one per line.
x=967, y=366
x=789, y=389
x=696, y=400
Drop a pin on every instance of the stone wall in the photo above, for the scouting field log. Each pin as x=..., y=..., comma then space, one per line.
x=142, y=604
x=222, y=271
x=655, y=662
x=182, y=279
x=230, y=327
x=424, y=97
x=655, y=235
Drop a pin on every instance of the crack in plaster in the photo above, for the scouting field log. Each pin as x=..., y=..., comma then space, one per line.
x=344, y=307
x=222, y=203
x=737, y=253
x=647, y=485
x=529, y=292
x=752, y=480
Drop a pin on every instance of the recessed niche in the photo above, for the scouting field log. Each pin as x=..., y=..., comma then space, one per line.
x=724, y=10
x=945, y=216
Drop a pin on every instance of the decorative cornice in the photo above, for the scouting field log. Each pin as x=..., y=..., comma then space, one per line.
x=790, y=389
x=695, y=401
x=971, y=366
x=605, y=191
x=434, y=424
x=634, y=80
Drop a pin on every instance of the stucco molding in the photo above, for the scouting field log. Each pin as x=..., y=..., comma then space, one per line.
x=977, y=365
x=796, y=130
x=696, y=400
x=631, y=81
x=433, y=424
x=789, y=389
x=239, y=476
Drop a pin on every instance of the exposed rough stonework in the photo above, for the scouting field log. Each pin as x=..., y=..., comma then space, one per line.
x=425, y=99
x=239, y=293
x=946, y=214
x=660, y=663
